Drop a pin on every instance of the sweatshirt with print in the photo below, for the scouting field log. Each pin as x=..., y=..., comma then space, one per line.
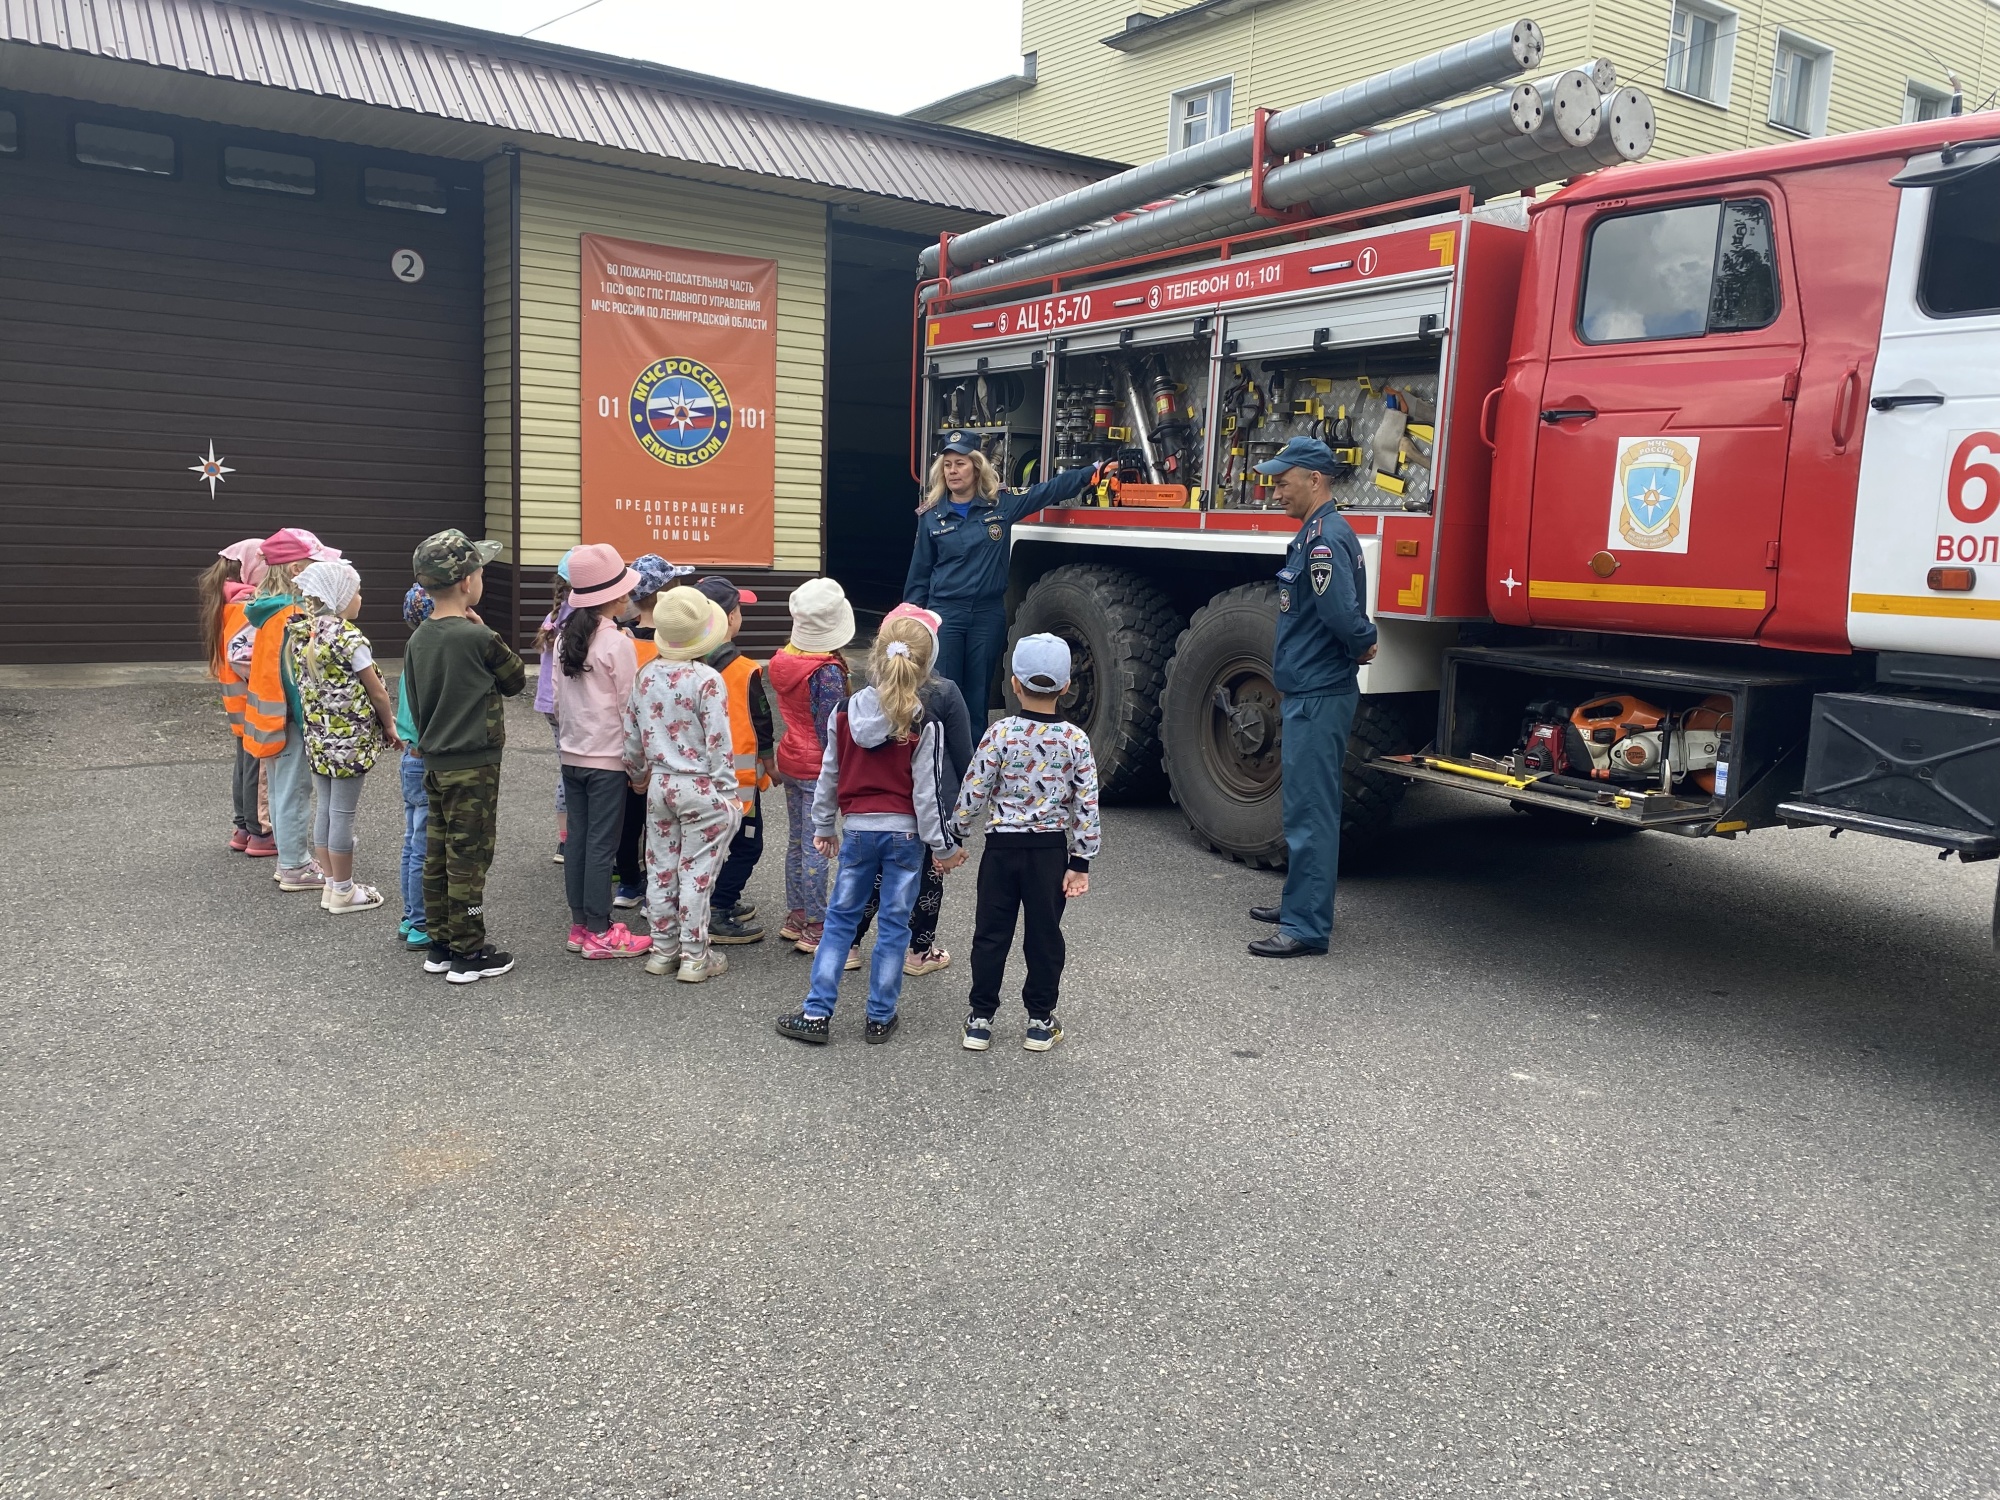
x=677, y=723
x=458, y=671
x=1037, y=773
x=590, y=707
x=877, y=763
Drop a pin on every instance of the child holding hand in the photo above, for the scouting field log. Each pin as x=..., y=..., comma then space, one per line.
x=1039, y=777
x=347, y=717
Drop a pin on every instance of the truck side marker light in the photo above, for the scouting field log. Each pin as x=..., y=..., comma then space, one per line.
x=1603, y=564
x=1129, y=302
x=1951, y=580
x=1924, y=606
x=1331, y=265
x=1407, y=547
x=1639, y=593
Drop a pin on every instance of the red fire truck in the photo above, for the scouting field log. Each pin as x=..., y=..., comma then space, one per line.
x=1679, y=491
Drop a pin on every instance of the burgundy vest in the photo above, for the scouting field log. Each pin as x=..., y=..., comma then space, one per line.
x=874, y=781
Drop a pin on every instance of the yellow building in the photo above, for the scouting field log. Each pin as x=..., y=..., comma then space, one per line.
x=1099, y=77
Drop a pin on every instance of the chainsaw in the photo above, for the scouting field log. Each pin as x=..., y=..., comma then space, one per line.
x=1626, y=740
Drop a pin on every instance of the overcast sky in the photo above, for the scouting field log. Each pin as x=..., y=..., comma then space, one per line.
x=890, y=55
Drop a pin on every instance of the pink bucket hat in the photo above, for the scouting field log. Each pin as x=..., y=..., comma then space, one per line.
x=597, y=575
x=296, y=544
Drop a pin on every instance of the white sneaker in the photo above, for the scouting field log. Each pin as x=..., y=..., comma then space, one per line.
x=360, y=898
x=926, y=963
x=694, y=970
x=662, y=960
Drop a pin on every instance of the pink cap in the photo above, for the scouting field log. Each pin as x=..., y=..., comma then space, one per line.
x=296, y=544
x=248, y=555
x=930, y=619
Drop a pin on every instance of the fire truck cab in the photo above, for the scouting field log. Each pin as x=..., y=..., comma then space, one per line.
x=1679, y=491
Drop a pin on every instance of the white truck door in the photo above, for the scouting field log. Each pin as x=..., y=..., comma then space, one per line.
x=1926, y=569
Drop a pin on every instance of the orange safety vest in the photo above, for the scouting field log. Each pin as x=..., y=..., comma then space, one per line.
x=225, y=672
x=645, y=651
x=742, y=732
x=264, y=710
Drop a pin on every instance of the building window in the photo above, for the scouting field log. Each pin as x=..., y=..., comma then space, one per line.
x=10, y=133
x=1922, y=102
x=1700, y=46
x=270, y=171
x=125, y=150
x=1680, y=272
x=1800, y=77
x=1961, y=269
x=413, y=192
x=1199, y=114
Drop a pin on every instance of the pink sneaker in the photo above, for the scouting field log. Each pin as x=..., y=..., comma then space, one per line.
x=239, y=841
x=616, y=942
x=261, y=846
x=576, y=937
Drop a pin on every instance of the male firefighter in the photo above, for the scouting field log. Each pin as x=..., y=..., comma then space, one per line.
x=1324, y=636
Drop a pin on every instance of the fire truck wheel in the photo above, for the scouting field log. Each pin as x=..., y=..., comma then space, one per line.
x=1120, y=630
x=1219, y=737
x=1219, y=726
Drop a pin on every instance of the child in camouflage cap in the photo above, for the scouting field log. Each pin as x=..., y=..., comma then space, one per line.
x=458, y=671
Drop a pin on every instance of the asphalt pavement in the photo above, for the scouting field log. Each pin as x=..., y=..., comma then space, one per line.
x=1585, y=1166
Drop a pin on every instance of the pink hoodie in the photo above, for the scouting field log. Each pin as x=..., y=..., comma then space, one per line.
x=590, y=707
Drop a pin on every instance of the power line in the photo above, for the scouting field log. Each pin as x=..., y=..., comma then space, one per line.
x=587, y=4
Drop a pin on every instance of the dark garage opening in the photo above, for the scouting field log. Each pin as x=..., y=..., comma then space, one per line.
x=870, y=498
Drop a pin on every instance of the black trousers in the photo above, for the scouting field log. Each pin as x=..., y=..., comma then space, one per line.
x=744, y=851
x=596, y=815
x=923, y=916
x=1020, y=873
x=630, y=867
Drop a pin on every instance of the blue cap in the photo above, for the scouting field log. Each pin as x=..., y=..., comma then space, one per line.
x=655, y=573
x=1042, y=663
x=961, y=442
x=1304, y=453
x=417, y=606
x=562, y=568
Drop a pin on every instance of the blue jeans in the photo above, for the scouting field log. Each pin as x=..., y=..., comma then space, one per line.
x=1311, y=756
x=970, y=643
x=899, y=859
x=291, y=801
x=416, y=825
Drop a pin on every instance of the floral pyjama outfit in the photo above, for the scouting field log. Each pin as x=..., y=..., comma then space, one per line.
x=677, y=738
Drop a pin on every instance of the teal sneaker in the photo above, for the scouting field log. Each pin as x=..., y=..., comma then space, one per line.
x=416, y=938
x=403, y=928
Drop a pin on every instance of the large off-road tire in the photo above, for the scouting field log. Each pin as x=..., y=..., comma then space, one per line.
x=1120, y=630
x=1221, y=734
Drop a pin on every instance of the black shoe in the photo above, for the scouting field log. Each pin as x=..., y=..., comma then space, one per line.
x=733, y=929
x=1264, y=914
x=742, y=911
x=1284, y=945
x=487, y=963
x=801, y=1027
x=437, y=960
x=880, y=1031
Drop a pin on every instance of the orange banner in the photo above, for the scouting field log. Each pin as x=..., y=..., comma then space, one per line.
x=680, y=373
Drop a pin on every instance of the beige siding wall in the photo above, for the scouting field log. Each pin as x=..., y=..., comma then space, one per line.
x=1093, y=99
x=563, y=200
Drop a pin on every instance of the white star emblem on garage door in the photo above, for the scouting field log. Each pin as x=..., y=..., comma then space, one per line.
x=209, y=470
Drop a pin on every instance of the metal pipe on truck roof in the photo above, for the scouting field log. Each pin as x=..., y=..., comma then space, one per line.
x=1627, y=127
x=1448, y=137
x=1500, y=54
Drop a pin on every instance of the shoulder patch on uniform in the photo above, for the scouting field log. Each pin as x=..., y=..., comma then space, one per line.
x=1320, y=569
x=1321, y=549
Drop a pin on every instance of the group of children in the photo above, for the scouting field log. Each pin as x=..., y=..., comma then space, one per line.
x=667, y=737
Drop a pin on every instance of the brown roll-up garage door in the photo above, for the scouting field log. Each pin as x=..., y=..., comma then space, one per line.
x=150, y=307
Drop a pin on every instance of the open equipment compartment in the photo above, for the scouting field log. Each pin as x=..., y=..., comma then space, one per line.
x=1138, y=395
x=1000, y=396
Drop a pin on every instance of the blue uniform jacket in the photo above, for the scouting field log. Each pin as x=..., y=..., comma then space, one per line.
x=1323, y=624
x=962, y=560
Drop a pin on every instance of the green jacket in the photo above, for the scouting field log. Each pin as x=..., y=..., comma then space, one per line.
x=457, y=671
